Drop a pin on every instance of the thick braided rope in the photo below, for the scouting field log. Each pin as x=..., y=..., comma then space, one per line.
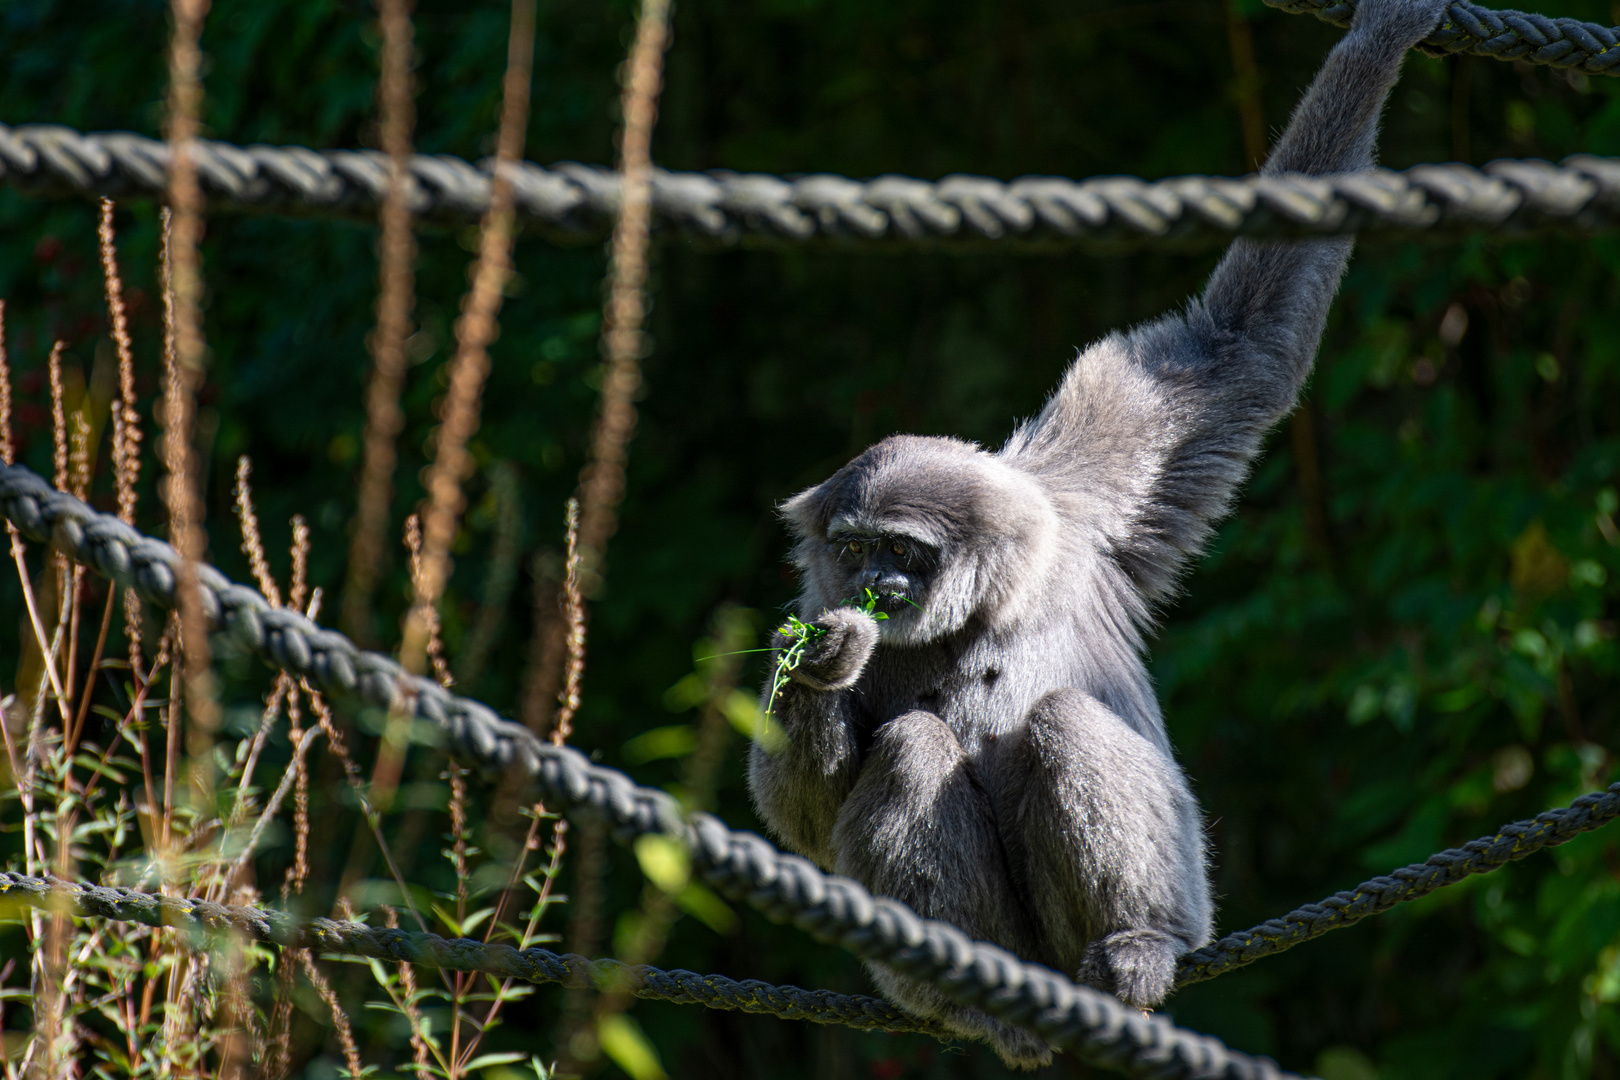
x=463, y=954
x=1503, y=35
x=1512, y=841
x=1041, y=212
x=1096, y=1027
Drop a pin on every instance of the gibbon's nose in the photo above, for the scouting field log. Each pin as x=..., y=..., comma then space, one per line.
x=881, y=580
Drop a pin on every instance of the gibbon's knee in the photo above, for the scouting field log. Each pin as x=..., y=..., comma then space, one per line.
x=919, y=827
x=1111, y=837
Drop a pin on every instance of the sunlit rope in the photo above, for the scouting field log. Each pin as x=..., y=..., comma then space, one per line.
x=1372, y=897
x=1581, y=194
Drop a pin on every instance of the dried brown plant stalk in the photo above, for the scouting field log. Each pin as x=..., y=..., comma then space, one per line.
x=126, y=421
x=435, y=641
x=340, y=1020
x=8, y=450
x=396, y=252
x=252, y=541
x=298, y=595
x=59, y=441
x=602, y=482
x=183, y=302
x=475, y=332
x=574, y=615
x=624, y=344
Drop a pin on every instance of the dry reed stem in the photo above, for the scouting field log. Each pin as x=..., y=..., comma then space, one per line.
x=8, y=449
x=252, y=541
x=602, y=482
x=126, y=449
x=351, y=1055
x=435, y=639
x=624, y=344
x=396, y=253
x=475, y=332
x=59, y=440
x=574, y=614
x=298, y=591
x=183, y=301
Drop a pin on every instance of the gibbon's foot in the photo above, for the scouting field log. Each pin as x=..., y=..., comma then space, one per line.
x=1136, y=966
x=1018, y=1049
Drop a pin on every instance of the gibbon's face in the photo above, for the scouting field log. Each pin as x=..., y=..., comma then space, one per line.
x=897, y=568
x=943, y=533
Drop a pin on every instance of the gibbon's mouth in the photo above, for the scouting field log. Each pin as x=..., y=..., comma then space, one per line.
x=894, y=604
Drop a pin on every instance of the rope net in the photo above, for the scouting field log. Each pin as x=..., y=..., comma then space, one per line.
x=743, y=866
x=570, y=200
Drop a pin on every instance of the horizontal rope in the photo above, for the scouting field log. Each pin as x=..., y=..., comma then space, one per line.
x=1501, y=35
x=1096, y=1027
x=1042, y=212
x=204, y=917
x=1376, y=895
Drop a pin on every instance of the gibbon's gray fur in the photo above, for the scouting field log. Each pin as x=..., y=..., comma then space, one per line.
x=993, y=753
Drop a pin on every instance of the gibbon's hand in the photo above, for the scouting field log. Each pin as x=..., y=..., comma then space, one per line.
x=835, y=660
x=1408, y=21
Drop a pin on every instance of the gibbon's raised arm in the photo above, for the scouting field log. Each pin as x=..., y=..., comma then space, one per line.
x=1152, y=430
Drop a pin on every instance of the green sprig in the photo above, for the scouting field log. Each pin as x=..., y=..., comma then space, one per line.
x=803, y=634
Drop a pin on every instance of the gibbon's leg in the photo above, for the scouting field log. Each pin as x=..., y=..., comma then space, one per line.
x=1112, y=846
x=918, y=827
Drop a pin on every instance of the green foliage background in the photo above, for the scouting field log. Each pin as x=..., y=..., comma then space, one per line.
x=1427, y=653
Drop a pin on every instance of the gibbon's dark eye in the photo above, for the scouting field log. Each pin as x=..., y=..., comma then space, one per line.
x=853, y=547
x=898, y=548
